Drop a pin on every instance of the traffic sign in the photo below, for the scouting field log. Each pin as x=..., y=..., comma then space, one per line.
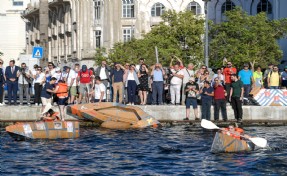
x=37, y=52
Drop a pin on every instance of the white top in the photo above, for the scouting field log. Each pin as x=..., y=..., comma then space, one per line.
x=72, y=75
x=58, y=76
x=176, y=80
x=103, y=73
x=98, y=89
x=130, y=76
x=39, y=78
x=20, y=79
x=187, y=74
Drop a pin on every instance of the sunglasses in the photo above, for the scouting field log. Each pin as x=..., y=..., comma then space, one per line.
x=229, y=64
x=127, y=65
x=203, y=68
x=50, y=65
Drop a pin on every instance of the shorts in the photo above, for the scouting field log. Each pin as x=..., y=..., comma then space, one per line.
x=84, y=87
x=45, y=101
x=73, y=91
x=62, y=101
x=191, y=101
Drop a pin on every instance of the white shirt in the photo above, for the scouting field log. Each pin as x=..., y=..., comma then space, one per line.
x=72, y=75
x=130, y=76
x=176, y=80
x=21, y=80
x=103, y=73
x=58, y=76
x=186, y=75
x=39, y=78
x=98, y=89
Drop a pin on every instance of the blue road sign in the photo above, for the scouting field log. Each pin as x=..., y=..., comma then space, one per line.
x=37, y=52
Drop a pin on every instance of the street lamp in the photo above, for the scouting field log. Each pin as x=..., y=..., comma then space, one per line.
x=206, y=32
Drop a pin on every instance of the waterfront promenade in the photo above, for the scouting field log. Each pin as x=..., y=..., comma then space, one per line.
x=251, y=114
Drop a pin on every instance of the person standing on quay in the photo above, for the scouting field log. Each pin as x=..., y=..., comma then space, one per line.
x=117, y=78
x=246, y=76
x=283, y=77
x=191, y=90
x=12, y=81
x=227, y=72
x=2, y=83
x=188, y=72
x=24, y=75
x=175, y=85
x=274, y=78
x=219, y=100
x=236, y=97
x=207, y=92
x=157, y=84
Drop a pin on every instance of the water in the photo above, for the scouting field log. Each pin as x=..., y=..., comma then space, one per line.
x=177, y=150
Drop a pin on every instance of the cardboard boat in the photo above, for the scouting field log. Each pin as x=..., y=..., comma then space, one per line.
x=113, y=115
x=224, y=143
x=44, y=130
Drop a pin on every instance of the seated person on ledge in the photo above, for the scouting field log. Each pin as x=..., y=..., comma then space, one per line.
x=234, y=131
x=50, y=116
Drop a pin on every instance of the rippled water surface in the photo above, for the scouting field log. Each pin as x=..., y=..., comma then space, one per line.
x=177, y=150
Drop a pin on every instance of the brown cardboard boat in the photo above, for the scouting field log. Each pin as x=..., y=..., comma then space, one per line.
x=44, y=130
x=224, y=143
x=113, y=115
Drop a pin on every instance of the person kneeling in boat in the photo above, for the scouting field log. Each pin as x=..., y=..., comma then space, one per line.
x=50, y=116
x=62, y=94
x=234, y=132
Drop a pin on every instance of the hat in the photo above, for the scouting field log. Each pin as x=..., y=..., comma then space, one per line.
x=192, y=79
x=246, y=65
x=84, y=68
x=57, y=69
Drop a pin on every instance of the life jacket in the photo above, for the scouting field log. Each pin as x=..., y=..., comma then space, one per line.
x=54, y=115
x=236, y=136
x=63, y=90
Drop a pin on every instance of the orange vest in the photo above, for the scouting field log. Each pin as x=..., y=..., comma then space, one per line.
x=236, y=136
x=63, y=90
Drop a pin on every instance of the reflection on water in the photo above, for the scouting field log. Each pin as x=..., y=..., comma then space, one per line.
x=179, y=150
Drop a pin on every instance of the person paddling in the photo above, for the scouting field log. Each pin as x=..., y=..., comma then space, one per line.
x=50, y=116
x=234, y=131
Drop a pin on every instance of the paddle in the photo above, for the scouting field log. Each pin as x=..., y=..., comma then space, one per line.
x=260, y=142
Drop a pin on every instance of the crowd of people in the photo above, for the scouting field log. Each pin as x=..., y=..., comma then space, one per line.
x=140, y=84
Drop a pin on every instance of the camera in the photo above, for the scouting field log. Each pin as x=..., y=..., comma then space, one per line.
x=22, y=70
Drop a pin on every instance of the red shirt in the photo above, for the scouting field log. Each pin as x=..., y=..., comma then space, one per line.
x=219, y=92
x=227, y=72
x=85, y=77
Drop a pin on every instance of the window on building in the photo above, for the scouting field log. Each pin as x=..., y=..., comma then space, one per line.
x=157, y=9
x=97, y=9
x=227, y=6
x=128, y=8
x=18, y=3
x=264, y=6
x=128, y=34
x=98, y=34
x=194, y=7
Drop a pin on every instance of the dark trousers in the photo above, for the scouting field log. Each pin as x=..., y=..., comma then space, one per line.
x=157, y=91
x=132, y=88
x=227, y=88
x=205, y=109
x=247, y=89
x=220, y=105
x=1, y=92
x=37, y=89
x=12, y=91
x=236, y=104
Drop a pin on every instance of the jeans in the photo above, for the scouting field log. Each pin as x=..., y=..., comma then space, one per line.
x=118, y=88
x=175, y=93
x=37, y=96
x=183, y=94
x=247, y=88
x=236, y=104
x=132, y=87
x=274, y=87
x=157, y=91
x=205, y=109
x=220, y=104
x=22, y=88
x=1, y=92
x=12, y=91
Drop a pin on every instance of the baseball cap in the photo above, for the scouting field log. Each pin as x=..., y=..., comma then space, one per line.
x=84, y=68
x=246, y=65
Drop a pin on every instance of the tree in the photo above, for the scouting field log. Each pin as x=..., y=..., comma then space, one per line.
x=247, y=39
x=178, y=34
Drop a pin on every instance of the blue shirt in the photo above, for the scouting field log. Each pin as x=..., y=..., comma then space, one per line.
x=118, y=75
x=45, y=93
x=205, y=97
x=157, y=75
x=245, y=76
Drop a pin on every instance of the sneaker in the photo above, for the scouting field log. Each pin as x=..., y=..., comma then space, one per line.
x=36, y=104
x=1, y=104
x=239, y=120
x=225, y=120
x=129, y=104
x=186, y=118
x=197, y=118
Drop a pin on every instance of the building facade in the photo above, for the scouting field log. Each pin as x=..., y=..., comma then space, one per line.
x=75, y=28
x=12, y=30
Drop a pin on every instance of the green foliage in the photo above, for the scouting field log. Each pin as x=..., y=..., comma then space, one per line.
x=100, y=55
x=246, y=39
x=179, y=34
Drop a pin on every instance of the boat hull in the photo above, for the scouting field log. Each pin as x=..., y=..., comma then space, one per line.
x=224, y=143
x=44, y=130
